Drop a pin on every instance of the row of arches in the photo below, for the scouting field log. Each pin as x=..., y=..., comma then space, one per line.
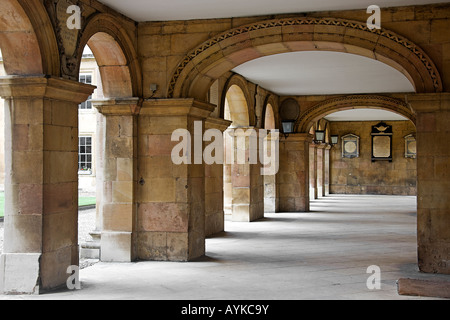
x=29, y=42
x=32, y=49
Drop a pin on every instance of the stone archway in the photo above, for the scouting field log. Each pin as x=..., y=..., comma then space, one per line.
x=116, y=135
x=41, y=124
x=322, y=109
x=270, y=117
x=115, y=54
x=236, y=104
x=202, y=66
x=27, y=39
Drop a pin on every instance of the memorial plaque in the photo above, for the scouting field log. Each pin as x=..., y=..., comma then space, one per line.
x=381, y=147
x=350, y=146
x=410, y=147
x=382, y=142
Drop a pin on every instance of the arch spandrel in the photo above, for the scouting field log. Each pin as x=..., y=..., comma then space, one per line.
x=227, y=50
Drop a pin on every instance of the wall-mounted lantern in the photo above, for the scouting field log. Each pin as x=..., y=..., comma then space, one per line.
x=289, y=113
x=288, y=127
x=319, y=137
x=334, y=140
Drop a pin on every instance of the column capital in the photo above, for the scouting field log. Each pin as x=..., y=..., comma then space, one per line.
x=217, y=123
x=118, y=106
x=177, y=107
x=297, y=137
x=429, y=102
x=44, y=87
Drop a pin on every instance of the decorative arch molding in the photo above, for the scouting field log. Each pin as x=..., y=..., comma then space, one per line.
x=242, y=83
x=115, y=54
x=222, y=53
x=29, y=45
x=322, y=109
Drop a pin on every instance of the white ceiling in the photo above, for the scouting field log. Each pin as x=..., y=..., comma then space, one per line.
x=323, y=72
x=157, y=10
x=365, y=115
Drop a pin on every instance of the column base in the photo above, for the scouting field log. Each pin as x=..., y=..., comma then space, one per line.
x=170, y=246
x=116, y=247
x=20, y=273
x=434, y=258
x=91, y=249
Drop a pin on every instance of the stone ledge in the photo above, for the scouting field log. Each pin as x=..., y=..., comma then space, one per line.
x=424, y=288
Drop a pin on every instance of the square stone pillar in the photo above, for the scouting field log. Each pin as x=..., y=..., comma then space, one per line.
x=293, y=177
x=247, y=182
x=320, y=170
x=41, y=187
x=326, y=162
x=214, y=186
x=313, y=194
x=433, y=180
x=171, y=197
x=119, y=173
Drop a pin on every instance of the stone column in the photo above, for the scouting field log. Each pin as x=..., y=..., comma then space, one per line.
x=320, y=170
x=41, y=189
x=313, y=194
x=327, y=170
x=227, y=185
x=118, y=203
x=214, y=187
x=271, y=198
x=171, y=197
x=293, y=177
x=433, y=180
x=247, y=182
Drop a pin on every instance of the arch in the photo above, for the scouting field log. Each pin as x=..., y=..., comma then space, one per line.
x=115, y=54
x=27, y=38
x=320, y=110
x=213, y=58
x=236, y=100
x=270, y=110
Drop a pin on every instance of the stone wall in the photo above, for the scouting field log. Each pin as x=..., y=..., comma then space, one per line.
x=361, y=175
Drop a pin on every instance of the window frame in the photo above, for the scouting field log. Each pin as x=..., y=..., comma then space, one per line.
x=86, y=105
x=88, y=170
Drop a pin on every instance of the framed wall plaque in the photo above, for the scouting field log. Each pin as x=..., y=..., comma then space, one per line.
x=410, y=146
x=382, y=142
x=350, y=146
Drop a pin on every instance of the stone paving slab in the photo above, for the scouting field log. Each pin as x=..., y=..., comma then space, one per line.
x=286, y=256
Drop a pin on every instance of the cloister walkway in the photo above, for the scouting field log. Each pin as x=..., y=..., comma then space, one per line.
x=323, y=254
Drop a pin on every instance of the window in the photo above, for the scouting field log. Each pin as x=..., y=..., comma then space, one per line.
x=87, y=79
x=85, y=155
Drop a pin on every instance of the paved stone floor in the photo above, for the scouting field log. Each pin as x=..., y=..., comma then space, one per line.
x=323, y=254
